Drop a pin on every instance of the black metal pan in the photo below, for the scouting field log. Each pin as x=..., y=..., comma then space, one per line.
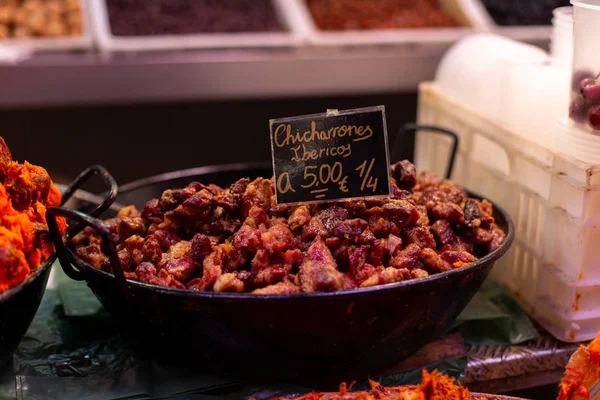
x=340, y=334
x=19, y=304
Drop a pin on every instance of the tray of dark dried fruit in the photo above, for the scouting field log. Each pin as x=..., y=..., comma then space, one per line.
x=126, y=26
x=529, y=21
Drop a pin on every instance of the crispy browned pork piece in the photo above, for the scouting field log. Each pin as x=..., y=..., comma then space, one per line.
x=206, y=238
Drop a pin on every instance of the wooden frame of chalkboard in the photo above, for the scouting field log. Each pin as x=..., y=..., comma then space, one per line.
x=336, y=155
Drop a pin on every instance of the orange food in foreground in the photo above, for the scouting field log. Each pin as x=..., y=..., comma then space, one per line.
x=583, y=370
x=434, y=386
x=25, y=192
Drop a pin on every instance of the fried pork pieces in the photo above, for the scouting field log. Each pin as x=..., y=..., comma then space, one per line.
x=25, y=192
x=238, y=240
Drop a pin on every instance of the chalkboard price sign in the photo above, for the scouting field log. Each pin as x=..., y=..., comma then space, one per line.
x=331, y=156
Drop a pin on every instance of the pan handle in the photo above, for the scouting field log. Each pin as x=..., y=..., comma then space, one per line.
x=94, y=170
x=85, y=220
x=416, y=127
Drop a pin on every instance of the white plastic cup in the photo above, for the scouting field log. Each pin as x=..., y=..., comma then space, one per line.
x=536, y=92
x=586, y=62
x=561, y=43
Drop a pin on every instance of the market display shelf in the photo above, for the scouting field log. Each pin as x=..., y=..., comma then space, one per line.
x=299, y=30
x=77, y=79
x=300, y=62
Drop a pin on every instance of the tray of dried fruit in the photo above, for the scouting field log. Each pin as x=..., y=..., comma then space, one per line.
x=364, y=22
x=45, y=26
x=26, y=251
x=191, y=24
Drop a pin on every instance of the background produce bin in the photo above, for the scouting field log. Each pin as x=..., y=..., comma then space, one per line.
x=463, y=12
x=107, y=41
x=536, y=34
x=59, y=44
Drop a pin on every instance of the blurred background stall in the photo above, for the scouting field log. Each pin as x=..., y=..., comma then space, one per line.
x=149, y=86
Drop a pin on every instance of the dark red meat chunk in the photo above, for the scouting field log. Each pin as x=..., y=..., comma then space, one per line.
x=278, y=238
x=201, y=247
x=299, y=217
x=382, y=227
x=421, y=236
x=151, y=250
x=318, y=272
x=271, y=275
x=259, y=193
x=170, y=199
x=350, y=229
x=131, y=226
x=448, y=211
x=442, y=230
x=153, y=212
x=405, y=174
x=409, y=257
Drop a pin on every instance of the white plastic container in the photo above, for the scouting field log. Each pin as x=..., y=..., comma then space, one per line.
x=586, y=31
x=459, y=9
x=553, y=268
x=54, y=44
x=503, y=82
x=108, y=42
x=561, y=41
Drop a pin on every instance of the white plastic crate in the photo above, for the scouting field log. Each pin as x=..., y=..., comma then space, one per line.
x=553, y=268
x=108, y=42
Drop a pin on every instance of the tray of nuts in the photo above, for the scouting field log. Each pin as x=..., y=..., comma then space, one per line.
x=45, y=25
